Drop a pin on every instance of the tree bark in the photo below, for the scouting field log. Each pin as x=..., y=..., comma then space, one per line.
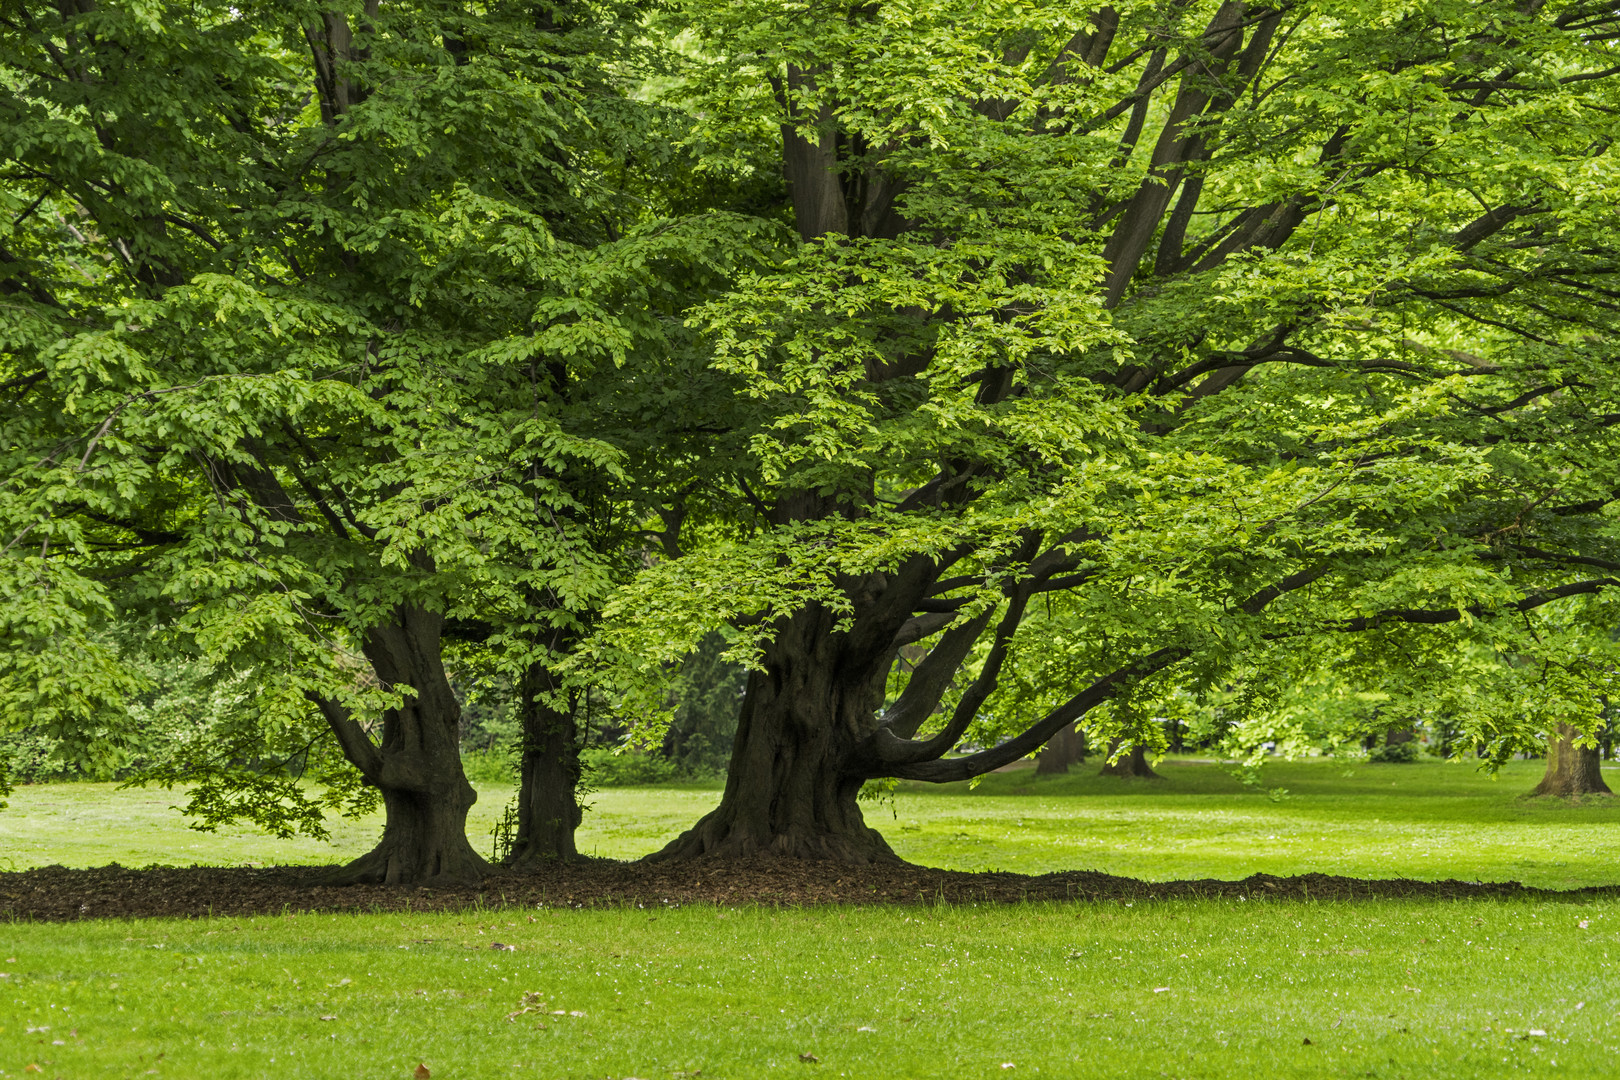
x=793, y=781
x=1132, y=766
x=424, y=838
x=1067, y=747
x=1571, y=769
x=417, y=766
x=548, y=803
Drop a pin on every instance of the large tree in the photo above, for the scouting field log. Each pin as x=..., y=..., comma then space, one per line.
x=1130, y=345
x=308, y=310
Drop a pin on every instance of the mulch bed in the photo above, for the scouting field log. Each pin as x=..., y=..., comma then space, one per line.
x=55, y=893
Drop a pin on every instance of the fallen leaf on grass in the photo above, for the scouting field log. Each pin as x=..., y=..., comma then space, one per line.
x=504, y=947
x=809, y=1059
x=422, y=1072
x=531, y=1003
x=328, y=1016
x=31, y=1067
x=1305, y=1042
x=1160, y=989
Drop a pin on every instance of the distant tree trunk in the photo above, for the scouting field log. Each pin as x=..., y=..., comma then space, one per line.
x=548, y=803
x=1133, y=766
x=417, y=766
x=792, y=786
x=1067, y=747
x=1571, y=769
x=1397, y=735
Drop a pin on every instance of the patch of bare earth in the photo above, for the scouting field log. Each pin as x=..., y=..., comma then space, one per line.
x=55, y=893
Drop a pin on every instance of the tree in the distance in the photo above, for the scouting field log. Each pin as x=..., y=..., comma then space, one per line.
x=1574, y=766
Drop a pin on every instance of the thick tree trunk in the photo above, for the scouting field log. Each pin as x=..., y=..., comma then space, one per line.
x=1132, y=766
x=1067, y=747
x=548, y=803
x=791, y=788
x=424, y=840
x=417, y=767
x=1571, y=769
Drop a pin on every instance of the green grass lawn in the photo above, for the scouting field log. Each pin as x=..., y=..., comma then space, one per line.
x=1425, y=820
x=1182, y=989
x=1177, y=989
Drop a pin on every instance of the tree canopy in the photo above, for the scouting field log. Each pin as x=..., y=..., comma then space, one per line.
x=318, y=327
x=1131, y=348
x=1123, y=355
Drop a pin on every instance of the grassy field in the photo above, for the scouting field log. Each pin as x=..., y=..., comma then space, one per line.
x=1425, y=820
x=1183, y=989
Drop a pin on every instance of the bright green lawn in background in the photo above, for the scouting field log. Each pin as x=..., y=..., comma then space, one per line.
x=1426, y=820
x=1179, y=989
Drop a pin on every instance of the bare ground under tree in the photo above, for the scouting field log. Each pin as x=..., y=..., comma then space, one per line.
x=59, y=894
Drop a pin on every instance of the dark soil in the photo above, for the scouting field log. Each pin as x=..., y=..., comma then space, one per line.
x=55, y=893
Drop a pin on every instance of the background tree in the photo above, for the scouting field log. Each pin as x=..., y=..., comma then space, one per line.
x=1067, y=747
x=1129, y=344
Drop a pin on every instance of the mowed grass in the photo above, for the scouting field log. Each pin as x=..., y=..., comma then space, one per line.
x=1182, y=989
x=1178, y=989
x=1427, y=820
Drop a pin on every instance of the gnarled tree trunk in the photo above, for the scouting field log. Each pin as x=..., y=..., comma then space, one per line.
x=424, y=837
x=792, y=785
x=1067, y=747
x=548, y=804
x=417, y=766
x=1571, y=769
x=1131, y=766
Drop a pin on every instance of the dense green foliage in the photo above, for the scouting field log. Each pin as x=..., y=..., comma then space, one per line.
x=1159, y=351
x=330, y=334
x=1147, y=361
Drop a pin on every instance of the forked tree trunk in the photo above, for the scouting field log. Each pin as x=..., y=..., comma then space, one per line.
x=426, y=797
x=790, y=788
x=1571, y=769
x=417, y=767
x=548, y=803
x=1131, y=766
x=1067, y=747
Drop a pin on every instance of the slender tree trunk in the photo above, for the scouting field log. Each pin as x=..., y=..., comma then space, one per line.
x=548, y=803
x=1132, y=766
x=1067, y=747
x=417, y=767
x=791, y=788
x=1571, y=769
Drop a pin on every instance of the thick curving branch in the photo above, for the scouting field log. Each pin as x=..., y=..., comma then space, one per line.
x=942, y=771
